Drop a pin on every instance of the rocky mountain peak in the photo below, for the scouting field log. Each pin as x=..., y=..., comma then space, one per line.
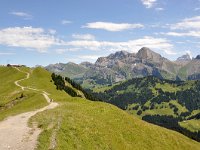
x=185, y=57
x=198, y=57
x=86, y=64
x=109, y=60
x=71, y=63
x=118, y=55
x=146, y=53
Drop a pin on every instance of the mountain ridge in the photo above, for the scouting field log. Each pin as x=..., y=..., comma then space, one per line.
x=122, y=65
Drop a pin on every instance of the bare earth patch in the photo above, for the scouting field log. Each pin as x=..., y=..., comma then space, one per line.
x=15, y=133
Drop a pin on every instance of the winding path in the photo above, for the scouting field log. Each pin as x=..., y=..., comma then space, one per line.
x=14, y=131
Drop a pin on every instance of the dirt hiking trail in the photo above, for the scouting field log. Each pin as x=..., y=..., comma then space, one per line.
x=14, y=131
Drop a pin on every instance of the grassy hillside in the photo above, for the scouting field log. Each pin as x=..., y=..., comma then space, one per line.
x=190, y=71
x=8, y=89
x=81, y=124
x=155, y=100
x=12, y=99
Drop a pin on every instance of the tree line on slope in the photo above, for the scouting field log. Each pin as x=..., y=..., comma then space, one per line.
x=140, y=91
x=60, y=83
x=171, y=122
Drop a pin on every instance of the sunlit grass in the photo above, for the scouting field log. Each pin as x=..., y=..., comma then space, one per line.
x=192, y=125
x=86, y=125
x=11, y=101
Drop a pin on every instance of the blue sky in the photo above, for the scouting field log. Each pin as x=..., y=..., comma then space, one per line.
x=35, y=32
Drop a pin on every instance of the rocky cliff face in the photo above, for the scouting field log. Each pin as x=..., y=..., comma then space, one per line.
x=198, y=57
x=183, y=60
x=185, y=57
x=147, y=54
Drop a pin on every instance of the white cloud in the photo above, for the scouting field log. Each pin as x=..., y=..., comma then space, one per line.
x=132, y=45
x=61, y=51
x=65, y=22
x=148, y=3
x=189, y=53
x=41, y=40
x=183, y=34
x=52, y=31
x=83, y=36
x=21, y=14
x=5, y=53
x=27, y=37
x=74, y=60
x=188, y=27
x=90, y=57
x=197, y=9
x=160, y=9
x=188, y=23
x=170, y=52
x=114, y=27
x=83, y=58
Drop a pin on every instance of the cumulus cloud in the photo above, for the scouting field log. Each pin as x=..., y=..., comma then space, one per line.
x=113, y=27
x=132, y=45
x=41, y=40
x=188, y=23
x=27, y=37
x=188, y=27
x=21, y=14
x=148, y=3
x=83, y=36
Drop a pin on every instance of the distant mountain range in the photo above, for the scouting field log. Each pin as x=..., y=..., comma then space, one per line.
x=123, y=65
